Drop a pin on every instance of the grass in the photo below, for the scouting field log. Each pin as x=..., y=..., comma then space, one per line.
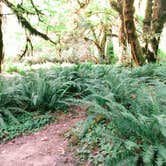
x=126, y=109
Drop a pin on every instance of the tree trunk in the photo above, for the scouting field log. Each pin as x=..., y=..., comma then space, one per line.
x=155, y=17
x=147, y=33
x=158, y=20
x=118, y=6
x=122, y=35
x=1, y=39
x=148, y=17
x=130, y=31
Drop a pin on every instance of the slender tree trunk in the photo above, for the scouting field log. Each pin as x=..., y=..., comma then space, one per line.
x=148, y=16
x=158, y=20
x=103, y=40
x=1, y=39
x=155, y=17
x=122, y=35
x=147, y=33
x=118, y=6
x=100, y=42
x=130, y=31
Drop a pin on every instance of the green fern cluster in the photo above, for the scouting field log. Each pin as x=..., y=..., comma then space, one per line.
x=42, y=91
x=127, y=109
x=127, y=120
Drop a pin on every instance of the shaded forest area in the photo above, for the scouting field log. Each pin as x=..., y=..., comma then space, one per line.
x=108, y=32
x=104, y=57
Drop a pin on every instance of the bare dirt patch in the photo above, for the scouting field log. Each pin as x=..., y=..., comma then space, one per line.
x=48, y=147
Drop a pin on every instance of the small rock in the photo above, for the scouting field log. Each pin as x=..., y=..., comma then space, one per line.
x=44, y=139
x=3, y=152
x=61, y=150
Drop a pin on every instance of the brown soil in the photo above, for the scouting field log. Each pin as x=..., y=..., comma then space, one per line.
x=48, y=147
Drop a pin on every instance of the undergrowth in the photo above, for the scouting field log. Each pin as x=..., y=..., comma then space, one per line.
x=127, y=118
x=23, y=123
x=37, y=92
x=126, y=107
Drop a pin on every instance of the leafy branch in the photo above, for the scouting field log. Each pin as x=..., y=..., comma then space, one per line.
x=19, y=11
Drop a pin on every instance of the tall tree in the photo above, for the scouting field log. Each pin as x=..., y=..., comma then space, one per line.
x=118, y=6
x=155, y=17
x=158, y=20
x=147, y=31
x=130, y=31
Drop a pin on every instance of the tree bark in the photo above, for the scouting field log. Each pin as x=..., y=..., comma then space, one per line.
x=148, y=17
x=1, y=39
x=147, y=33
x=130, y=31
x=118, y=6
x=155, y=17
x=158, y=20
x=122, y=35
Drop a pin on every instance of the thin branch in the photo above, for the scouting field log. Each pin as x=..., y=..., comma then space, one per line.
x=28, y=47
x=25, y=24
x=5, y=14
x=38, y=12
x=97, y=45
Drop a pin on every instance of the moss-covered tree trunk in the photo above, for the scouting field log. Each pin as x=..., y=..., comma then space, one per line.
x=158, y=20
x=148, y=17
x=155, y=17
x=130, y=31
x=147, y=32
x=1, y=39
x=122, y=35
x=118, y=7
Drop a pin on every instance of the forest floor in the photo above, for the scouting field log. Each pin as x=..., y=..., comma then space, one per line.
x=47, y=147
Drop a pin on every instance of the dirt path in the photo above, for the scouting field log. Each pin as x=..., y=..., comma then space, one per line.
x=47, y=147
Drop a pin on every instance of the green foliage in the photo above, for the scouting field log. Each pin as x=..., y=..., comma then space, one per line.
x=64, y=24
x=126, y=122
x=132, y=129
x=23, y=122
x=15, y=68
x=111, y=55
x=162, y=56
x=37, y=91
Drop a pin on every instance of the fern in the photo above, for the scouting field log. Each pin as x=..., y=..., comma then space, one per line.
x=130, y=103
x=133, y=104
